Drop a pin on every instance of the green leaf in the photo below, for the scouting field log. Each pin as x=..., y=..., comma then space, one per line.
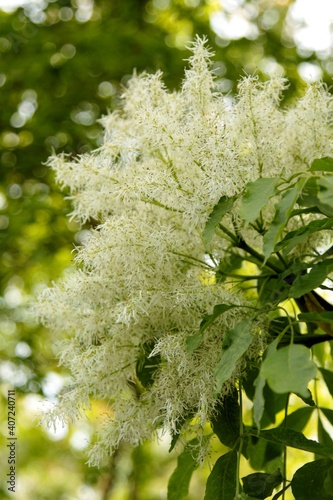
x=260, y=485
x=274, y=403
x=235, y=343
x=249, y=376
x=217, y=311
x=288, y=437
x=228, y=265
x=225, y=421
x=266, y=402
x=256, y=449
x=325, y=194
x=318, y=350
x=180, y=479
x=309, y=210
x=328, y=482
x=317, y=317
x=223, y=206
x=283, y=210
x=289, y=370
x=259, y=400
x=324, y=164
x=273, y=289
x=310, y=198
x=175, y=434
x=298, y=419
x=261, y=452
x=301, y=235
x=146, y=366
x=293, y=270
x=308, y=282
x=193, y=341
x=323, y=436
x=309, y=481
x=221, y=483
x=328, y=414
x=328, y=377
x=308, y=400
x=256, y=196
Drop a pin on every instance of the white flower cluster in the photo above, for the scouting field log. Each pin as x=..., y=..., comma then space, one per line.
x=143, y=281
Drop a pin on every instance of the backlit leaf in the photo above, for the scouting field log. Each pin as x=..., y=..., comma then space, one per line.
x=328, y=414
x=289, y=370
x=323, y=436
x=328, y=376
x=298, y=419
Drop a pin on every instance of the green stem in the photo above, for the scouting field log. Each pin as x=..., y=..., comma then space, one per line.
x=294, y=176
x=316, y=398
x=228, y=233
x=241, y=431
x=256, y=135
x=201, y=262
x=284, y=473
x=240, y=243
x=152, y=201
x=282, y=259
x=244, y=277
x=244, y=246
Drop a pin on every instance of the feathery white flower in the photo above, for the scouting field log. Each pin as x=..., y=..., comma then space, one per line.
x=166, y=160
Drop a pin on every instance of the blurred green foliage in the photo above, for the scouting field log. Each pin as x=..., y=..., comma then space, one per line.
x=63, y=65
